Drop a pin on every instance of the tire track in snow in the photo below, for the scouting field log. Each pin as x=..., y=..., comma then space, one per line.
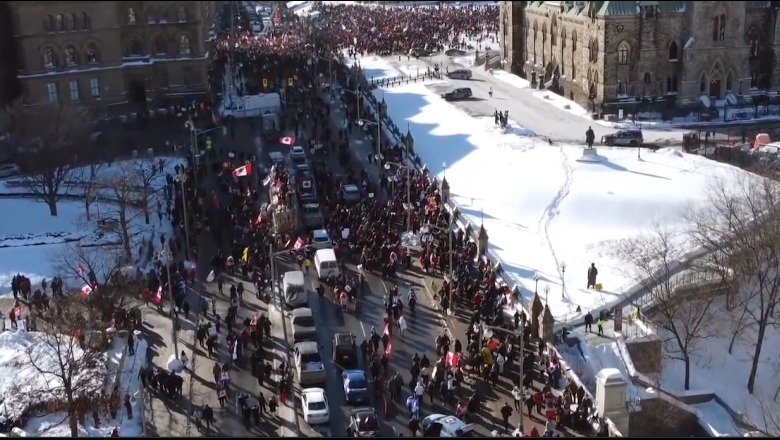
x=552, y=210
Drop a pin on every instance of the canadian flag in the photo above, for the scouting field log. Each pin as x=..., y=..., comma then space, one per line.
x=243, y=170
x=287, y=140
x=298, y=243
x=267, y=180
x=79, y=272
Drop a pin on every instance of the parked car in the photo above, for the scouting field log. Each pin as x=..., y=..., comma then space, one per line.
x=298, y=154
x=363, y=422
x=440, y=425
x=8, y=170
x=459, y=74
x=320, y=239
x=419, y=52
x=624, y=138
x=303, y=326
x=350, y=193
x=275, y=157
x=457, y=94
x=344, y=350
x=308, y=363
x=355, y=386
x=312, y=215
x=316, y=410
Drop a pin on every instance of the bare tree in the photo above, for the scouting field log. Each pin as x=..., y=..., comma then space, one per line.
x=741, y=231
x=96, y=265
x=124, y=187
x=682, y=319
x=149, y=173
x=74, y=372
x=88, y=181
x=51, y=134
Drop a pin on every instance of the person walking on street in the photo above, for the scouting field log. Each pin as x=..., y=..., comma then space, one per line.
x=506, y=413
x=600, y=326
x=588, y=321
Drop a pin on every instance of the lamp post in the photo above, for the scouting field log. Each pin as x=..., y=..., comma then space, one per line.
x=546, y=294
x=174, y=320
x=426, y=229
x=194, y=134
x=182, y=178
x=408, y=190
x=362, y=122
x=563, y=279
x=536, y=282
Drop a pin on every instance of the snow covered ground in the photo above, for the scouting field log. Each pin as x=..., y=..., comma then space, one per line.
x=542, y=207
x=34, y=243
x=374, y=67
x=713, y=369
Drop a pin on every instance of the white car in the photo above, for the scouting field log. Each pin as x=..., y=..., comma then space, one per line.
x=8, y=170
x=316, y=410
x=297, y=154
x=320, y=239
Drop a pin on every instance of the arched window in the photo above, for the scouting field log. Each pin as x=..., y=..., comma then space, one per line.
x=673, y=51
x=573, y=70
x=85, y=21
x=71, y=56
x=49, y=58
x=594, y=51
x=72, y=24
x=184, y=45
x=93, y=56
x=754, y=40
x=647, y=78
x=60, y=23
x=544, y=34
x=48, y=24
x=730, y=82
x=163, y=16
x=703, y=83
x=554, y=31
x=624, y=51
x=135, y=48
x=563, y=38
x=160, y=45
x=574, y=41
x=181, y=14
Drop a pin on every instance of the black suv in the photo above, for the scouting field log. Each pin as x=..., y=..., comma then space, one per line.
x=454, y=95
x=624, y=138
x=344, y=350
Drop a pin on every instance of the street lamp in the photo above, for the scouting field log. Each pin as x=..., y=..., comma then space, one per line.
x=563, y=279
x=182, y=178
x=387, y=166
x=362, y=122
x=546, y=294
x=168, y=255
x=195, y=133
x=425, y=229
x=536, y=282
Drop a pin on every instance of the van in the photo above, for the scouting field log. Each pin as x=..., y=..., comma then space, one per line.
x=294, y=290
x=326, y=264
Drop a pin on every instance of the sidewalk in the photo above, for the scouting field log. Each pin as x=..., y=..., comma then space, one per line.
x=286, y=413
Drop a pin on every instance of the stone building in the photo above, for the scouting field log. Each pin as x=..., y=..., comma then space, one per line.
x=599, y=53
x=104, y=53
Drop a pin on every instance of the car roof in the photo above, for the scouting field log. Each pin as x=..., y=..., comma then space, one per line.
x=311, y=205
x=302, y=311
x=355, y=374
x=298, y=147
x=351, y=187
x=315, y=392
x=307, y=347
x=275, y=154
x=363, y=411
x=343, y=338
x=320, y=233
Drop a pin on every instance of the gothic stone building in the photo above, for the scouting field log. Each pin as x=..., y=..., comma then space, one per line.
x=600, y=52
x=109, y=52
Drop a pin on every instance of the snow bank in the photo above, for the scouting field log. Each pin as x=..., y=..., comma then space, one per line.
x=511, y=79
x=29, y=369
x=373, y=67
x=562, y=103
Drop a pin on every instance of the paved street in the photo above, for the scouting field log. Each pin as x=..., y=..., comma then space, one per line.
x=544, y=119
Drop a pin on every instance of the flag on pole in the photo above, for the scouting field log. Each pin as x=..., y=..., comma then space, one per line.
x=267, y=180
x=298, y=243
x=287, y=140
x=79, y=272
x=243, y=170
x=388, y=349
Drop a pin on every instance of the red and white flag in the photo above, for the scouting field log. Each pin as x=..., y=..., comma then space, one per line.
x=79, y=272
x=243, y=170
x=287, y=140
x=298, y=243
x=267, y=180
x=387, y=330
x=388, y=349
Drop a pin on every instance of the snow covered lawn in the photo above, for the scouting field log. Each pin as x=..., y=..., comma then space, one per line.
x=374, y=67
x=542, y=207
x=511, y=79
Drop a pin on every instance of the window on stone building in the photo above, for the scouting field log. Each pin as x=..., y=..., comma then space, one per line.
x=544, y=36
x=754, y=41
x=703, y=83
x=184, y=45
x=673, y=49
x=60, y=23
x=49, y=58
x=93, y=56
x=151, y=16
x=574, y=41
x=563, y=38
x=163, y=17
x=730, y=82
x=181, y=14
x=647, y=79
x=48, y=24
x=754, y=80
x=160, y=45
x=131, y=19
x=73, y=88
x=623, y=53
x=135, y=48
x=51, y=92
x=94, y=87
x=671, y=83
x=72, y=25
x=719, y=28
x=71, y=56
x=621, y=88
x=594, y=51
x=554, y=31
x=85, y=22
x=573, y=70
